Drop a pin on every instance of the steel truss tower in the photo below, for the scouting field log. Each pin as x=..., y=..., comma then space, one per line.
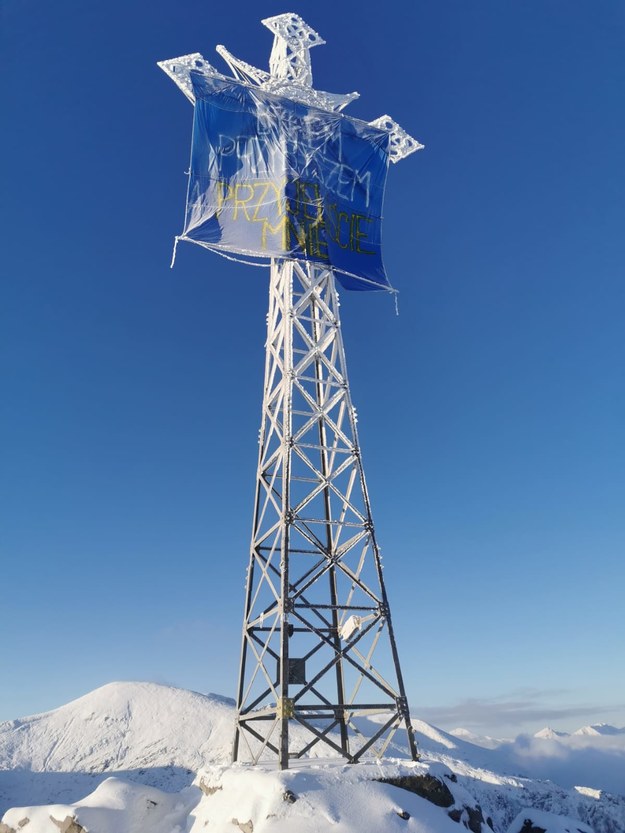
x=319, y=662
x=317, y=618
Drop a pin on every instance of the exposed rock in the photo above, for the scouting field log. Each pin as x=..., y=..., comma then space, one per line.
x=472, y=818
x=68, y=825
x=244, y=826
x=4, y=828
x=207, y=789
x=531, y=820
x=529, y=826
x=426, y=786
x=433, y=789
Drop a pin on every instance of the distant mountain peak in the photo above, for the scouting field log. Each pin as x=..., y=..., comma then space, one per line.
x=485, y=741
x=600, y=729
x=550, y=734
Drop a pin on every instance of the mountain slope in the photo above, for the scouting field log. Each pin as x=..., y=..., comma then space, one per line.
x=601, y=730
x=161, y=736
x=121, y=726
x=550, y=734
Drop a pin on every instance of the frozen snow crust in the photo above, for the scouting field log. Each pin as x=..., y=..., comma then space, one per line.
x=169, y=746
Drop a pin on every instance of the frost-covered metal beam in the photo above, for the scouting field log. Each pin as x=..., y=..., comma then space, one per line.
x=290, y=75
x=179, y=70
x=292, y=42
x=242, y=70
x=402, y=144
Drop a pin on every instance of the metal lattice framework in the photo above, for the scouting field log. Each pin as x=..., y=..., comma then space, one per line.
x=318, y=647
x=317, y=626
x=290, y=75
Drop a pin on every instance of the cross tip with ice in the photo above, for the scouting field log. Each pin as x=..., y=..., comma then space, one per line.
x=290, y=75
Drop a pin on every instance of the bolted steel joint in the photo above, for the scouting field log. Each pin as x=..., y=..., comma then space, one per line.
x=402, y=708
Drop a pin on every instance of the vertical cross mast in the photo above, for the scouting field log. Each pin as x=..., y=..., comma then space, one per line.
x=319, y=664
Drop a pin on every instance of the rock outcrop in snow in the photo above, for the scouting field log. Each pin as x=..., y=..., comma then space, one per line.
x=537, y=821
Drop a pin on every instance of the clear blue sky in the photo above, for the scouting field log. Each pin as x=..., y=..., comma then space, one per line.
x=491, y=411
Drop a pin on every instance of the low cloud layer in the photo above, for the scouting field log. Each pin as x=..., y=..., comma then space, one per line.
x=519, y=709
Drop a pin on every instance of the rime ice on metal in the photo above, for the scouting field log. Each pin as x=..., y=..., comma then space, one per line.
x=318, y=645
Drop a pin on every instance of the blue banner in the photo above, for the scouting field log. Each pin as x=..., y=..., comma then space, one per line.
x=271, y=178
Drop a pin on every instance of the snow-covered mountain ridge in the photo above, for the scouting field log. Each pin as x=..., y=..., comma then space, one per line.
x=602, y=730
x=161, y=737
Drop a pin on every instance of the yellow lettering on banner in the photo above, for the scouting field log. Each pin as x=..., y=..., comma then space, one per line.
x=239, y=202
x=343, y=215
x=279, y=228
x=357, y=235
x=260, y=194
x=299, y=233
x=303, y=222
x=224, y=193
x=314, y=245
x=286, y=228
x=316, y=202
x=263, y=187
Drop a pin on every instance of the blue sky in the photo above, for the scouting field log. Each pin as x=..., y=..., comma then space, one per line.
x=491, y=411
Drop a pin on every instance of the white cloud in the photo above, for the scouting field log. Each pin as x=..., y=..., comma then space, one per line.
x=515, y=710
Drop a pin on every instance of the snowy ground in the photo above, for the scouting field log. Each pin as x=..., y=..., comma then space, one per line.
x=160, y=742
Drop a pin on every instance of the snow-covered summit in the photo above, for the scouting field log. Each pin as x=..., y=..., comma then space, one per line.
x=121, y=726
x=550, y=734
x=600, y=729
x=485, y=741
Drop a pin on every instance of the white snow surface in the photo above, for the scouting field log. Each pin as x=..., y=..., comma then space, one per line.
x=115, y=806
x=549, y=823
x=304, y=799
x=155, y=737
x=602, y=729
x=478, y=740
x=328, y=796
x=550, y=734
